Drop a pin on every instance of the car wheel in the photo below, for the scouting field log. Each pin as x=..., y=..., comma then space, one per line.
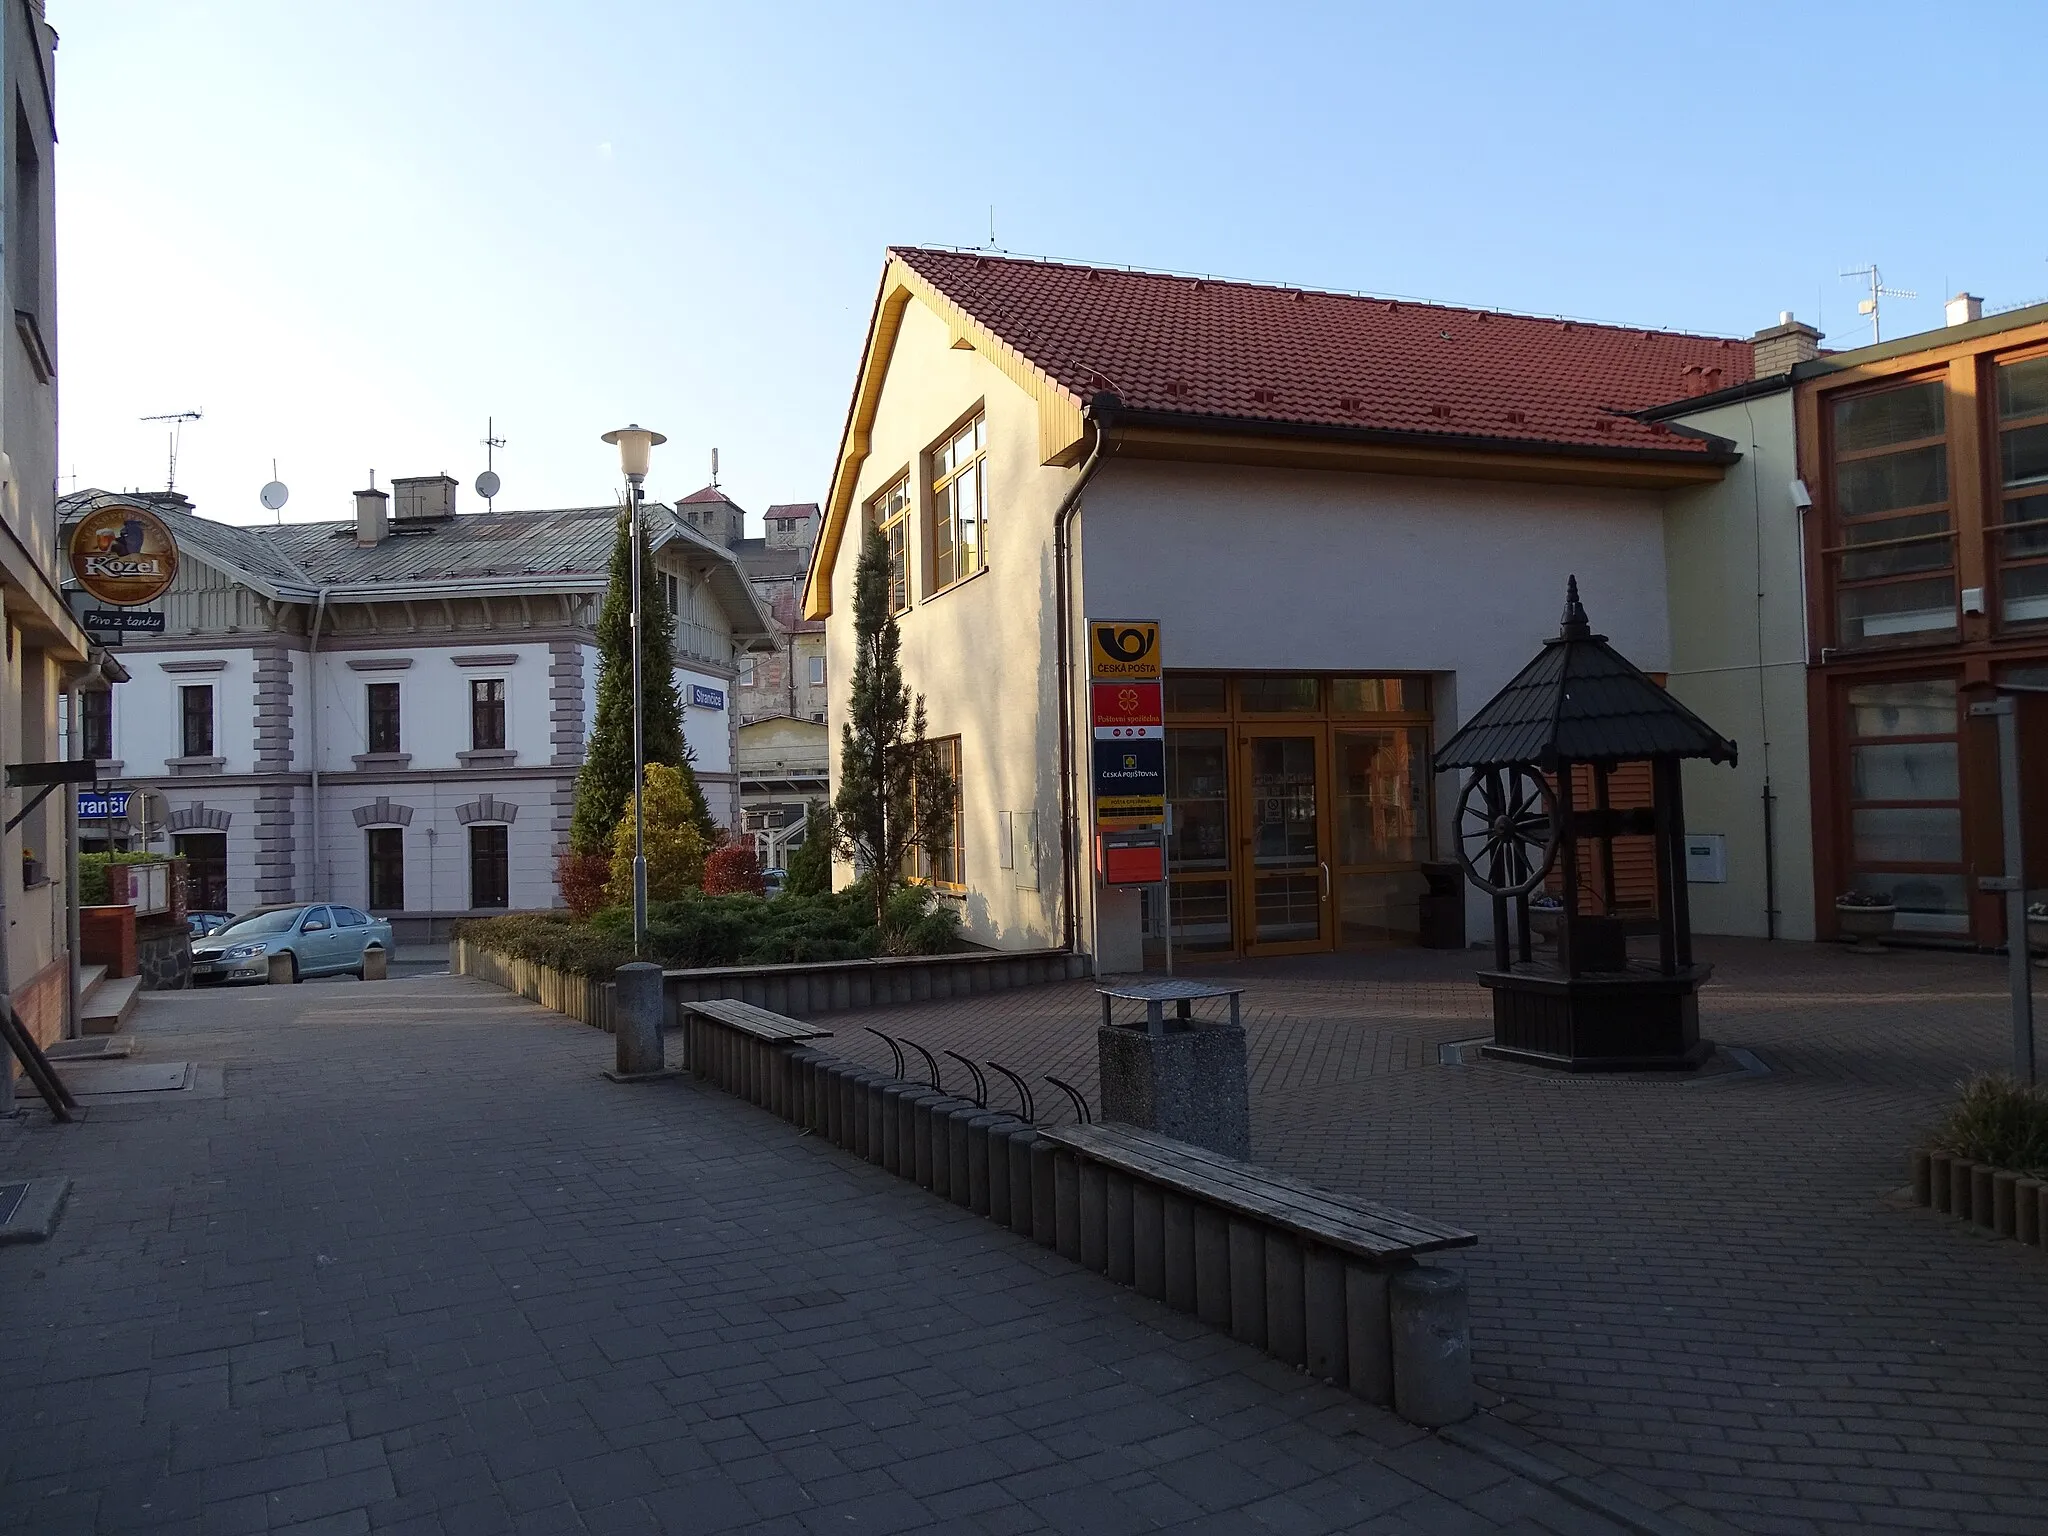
x=296, y=977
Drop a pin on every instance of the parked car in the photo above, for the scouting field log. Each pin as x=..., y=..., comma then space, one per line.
x=203, y=925
x=773, y=881
x=322, y=940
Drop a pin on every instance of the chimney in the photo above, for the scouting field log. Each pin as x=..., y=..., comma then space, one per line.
x=1964, y=308
x=372, y=523
x=1775, y=350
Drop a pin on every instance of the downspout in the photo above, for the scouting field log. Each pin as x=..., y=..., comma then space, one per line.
x=313, y=743
x=1098, y=413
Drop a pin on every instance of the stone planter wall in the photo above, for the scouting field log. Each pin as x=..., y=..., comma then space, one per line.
x=164, y=961
x=2007, y=1203
x=830, y=986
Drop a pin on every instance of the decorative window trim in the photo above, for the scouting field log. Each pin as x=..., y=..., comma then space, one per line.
x=487, y=808
x=488, y=757
x=487, y=659
x=381, y=812
x=379, y=663
x=199, y=817
x=381, y=761
x=205, y=664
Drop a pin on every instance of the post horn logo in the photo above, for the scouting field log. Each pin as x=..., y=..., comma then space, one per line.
x=1129, y=643
x=123, y=555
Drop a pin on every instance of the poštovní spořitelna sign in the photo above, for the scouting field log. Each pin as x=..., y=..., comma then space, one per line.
x=123, y=555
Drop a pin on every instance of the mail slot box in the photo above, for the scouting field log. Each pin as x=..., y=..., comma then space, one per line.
x=1131, y=858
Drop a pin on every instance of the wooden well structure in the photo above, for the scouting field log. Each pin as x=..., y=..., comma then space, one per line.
x=1553, y=736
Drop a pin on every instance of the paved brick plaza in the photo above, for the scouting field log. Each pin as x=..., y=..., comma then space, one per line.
x=1701, y=1286
x=415, y=1267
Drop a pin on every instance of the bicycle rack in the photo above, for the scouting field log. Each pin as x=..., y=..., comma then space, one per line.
x=1023, y=1088
x=980, y=1082
x=1080, y=1104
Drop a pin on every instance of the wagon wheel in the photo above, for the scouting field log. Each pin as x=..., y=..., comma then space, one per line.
x=1507, y=830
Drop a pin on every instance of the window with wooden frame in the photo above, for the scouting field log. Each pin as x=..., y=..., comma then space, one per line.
x=946, y=868
x=382, y=702
x=96, y=723
x=195, y=715
x=889, y=511
x=386, y=849
x=1905, y=800
x=487, y=714
x=960, y=503
x=2022, y=522
x=1892, y=557
x=490, y=882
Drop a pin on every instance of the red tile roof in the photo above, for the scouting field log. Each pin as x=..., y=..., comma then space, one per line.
x=1195, y=348
x=709, y=493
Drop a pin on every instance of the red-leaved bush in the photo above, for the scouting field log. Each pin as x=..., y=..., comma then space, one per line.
x=583, y=877
x=733, y=870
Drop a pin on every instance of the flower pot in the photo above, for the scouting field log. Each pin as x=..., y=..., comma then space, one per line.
x=1866, y=925
x=2037, y=938
x=1545, y=921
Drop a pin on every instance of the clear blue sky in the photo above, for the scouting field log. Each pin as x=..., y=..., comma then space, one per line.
x=352, y=232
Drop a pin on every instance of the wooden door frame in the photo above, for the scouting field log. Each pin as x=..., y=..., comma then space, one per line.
x=1317, y=731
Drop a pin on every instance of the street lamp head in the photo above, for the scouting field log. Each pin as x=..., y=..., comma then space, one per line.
x=635, y=443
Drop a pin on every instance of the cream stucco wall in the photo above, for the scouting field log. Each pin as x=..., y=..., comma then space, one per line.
x=1738, y=660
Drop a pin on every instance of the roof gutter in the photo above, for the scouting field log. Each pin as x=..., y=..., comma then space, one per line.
x=1098, y=413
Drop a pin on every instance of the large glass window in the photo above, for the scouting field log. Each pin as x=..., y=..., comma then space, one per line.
x=960, y=504
x=383, y=711
x=96, y=724
x=387, y=868
x=2022, y=531
x=1905, y=792
x=490, y=882
x=947, y=864
x=890, y=512
x=1893, y=555
x=1198, y=842
x=195, y=713
x=487, y=714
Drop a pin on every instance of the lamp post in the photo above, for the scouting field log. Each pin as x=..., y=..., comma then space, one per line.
x=635, y=443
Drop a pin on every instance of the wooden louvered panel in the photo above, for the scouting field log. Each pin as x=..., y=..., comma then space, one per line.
x=1635, y=858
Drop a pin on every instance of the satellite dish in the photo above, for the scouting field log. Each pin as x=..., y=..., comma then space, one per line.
x=275, y=495
x=488, y=484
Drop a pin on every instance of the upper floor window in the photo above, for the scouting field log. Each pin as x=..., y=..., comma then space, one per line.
x=487, y=714
x=383, y=712
x=195, y=716
x=96, y=724
x=890, y=512
x=960, y=504
x=2023, y=489
x=746, y=670
x=671, y=591
x=817, y=671
x=1893, y=547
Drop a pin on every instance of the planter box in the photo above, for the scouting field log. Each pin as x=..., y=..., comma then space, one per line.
x=1999, y=1200
x=1866, y=925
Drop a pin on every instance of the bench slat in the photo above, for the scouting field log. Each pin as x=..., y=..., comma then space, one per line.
x=750, y=1020
x=1367, y=1230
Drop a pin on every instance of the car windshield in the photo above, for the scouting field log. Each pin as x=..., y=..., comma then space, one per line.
x=262, y=923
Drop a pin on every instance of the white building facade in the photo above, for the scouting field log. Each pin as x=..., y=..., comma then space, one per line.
x=391, y=712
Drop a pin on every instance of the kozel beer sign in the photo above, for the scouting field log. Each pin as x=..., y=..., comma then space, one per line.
x=123, y=555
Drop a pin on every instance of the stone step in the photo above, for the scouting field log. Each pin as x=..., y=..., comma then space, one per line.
x=89, y=976
x=111, y=1003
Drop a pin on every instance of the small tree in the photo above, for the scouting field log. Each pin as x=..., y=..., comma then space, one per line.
x=893, y=794
x=675, y=848
x=604, y=785
x=808, y=870
x=734, y=870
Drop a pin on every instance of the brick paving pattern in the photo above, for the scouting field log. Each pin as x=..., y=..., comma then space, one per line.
x=416, y=1268
x=1702, y=1288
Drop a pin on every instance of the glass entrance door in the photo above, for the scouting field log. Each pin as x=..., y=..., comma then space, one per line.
x=1286, y=864
x=1380, y=781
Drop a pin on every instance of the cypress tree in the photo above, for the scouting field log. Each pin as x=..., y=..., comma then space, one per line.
x=604, y=785
x=879, y=814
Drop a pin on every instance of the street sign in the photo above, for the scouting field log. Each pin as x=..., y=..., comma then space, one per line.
x=1123, y=650
x=121, y=621
x=123, y=554
x=103, y=805
x=707, y=698
x=1130, y=780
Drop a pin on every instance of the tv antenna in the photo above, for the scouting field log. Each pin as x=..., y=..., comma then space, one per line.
x=1878, y=292
x=714, y=469
x=177, y=419
x=488, y=484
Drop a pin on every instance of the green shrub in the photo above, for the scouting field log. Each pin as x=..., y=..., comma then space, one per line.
x=550, y=939
x=809, y=869
x=92, y=873
x=1997, y=1119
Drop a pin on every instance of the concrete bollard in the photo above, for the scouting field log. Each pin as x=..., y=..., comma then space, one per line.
x=1045, y=1224
x=959, y=1156
x=2041, y=1216
x=1919, y=1172
x=1148, y=1239
x=875, y=1107
x=1021, y=1174
x=1323, y=1315
x=1094, y=1217
x=1938, y=1181
x=1980, y=1194
x=924, y=1110
x=636, y=1014
x=1368, y=1339
x=1286, y=1317
x=1066, y=1183
x=1959, y=1187
x=980, y=1176
x=1432, y=1346
x=893, y=1140
x=2026, y=1213
x=1247, y=1283
x=281, y=970
x=997, y=1148
x=374, y=963
x=1117, y=1256
x=1212, y=1266
x=1179, y=1231
x=2004, y=1202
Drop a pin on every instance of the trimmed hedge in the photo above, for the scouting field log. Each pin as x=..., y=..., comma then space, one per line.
x=92, y=873
x=700, y=931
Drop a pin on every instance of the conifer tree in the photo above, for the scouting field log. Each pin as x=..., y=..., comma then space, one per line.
x=604, y=785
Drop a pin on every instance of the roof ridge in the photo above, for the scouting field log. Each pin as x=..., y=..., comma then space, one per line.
x=1361, y=295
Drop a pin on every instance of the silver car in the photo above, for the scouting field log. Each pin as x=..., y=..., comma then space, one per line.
x=322, y=940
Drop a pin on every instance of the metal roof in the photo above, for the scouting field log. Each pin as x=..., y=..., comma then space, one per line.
x=1580, y=701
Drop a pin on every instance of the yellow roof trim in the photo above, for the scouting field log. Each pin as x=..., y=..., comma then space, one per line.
x=1061, y=431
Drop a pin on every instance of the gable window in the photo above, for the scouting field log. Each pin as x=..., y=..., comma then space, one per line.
x=96, y=724
x=2023, y=481
x=960, y=504
x=383, y=712
x=387, y=869
x=489, y=867
x=890, y=512
x=487, y=714
x=671, y=592
x=1894, y=536
x=195, y=715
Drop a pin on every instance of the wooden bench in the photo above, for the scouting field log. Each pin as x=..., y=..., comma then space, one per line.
x=743, y=1049
x=1312, y=1277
